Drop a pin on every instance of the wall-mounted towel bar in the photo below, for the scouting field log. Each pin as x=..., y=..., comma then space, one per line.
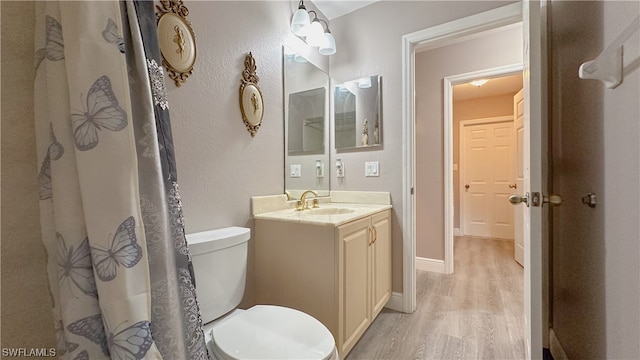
x=607, y=67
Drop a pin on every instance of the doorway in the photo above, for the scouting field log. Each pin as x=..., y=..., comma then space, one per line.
x=533, y=16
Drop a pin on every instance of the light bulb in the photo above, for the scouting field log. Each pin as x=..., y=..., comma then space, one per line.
x=315, y=34
x=300, y=22
x=328, y=44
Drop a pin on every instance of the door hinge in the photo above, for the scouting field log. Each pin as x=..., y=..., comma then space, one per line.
x=412, y=190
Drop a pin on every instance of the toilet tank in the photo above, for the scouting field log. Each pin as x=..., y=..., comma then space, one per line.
x=220, y=264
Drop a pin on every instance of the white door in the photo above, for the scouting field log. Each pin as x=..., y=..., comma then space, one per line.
x=518, y=125
x=487, y=171
x=535, y=141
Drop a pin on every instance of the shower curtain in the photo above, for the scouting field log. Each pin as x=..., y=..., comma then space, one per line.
x=119, y=267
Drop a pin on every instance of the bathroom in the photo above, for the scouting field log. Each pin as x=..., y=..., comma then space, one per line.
x=220, y=166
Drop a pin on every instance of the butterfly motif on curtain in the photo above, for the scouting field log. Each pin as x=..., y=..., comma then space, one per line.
x=110, y=33
x=54, y=152
x=132, y=342
x=101, y=111
x=74, y=266
x=83, y=355
x=54, y=47
x=92, y=328
x=63, y=345
x=123, y=251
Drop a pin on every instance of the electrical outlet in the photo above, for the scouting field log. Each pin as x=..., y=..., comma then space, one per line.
x=339, y=168
x=296, y=171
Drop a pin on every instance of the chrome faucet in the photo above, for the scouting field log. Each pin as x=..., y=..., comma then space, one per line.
x=302, y=203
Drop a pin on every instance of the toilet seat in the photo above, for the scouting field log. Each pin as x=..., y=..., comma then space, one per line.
x=271, y=332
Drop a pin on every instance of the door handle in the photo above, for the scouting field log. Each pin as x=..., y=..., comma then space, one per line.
x=554, y=200
x=516, y=199
x=513, y=186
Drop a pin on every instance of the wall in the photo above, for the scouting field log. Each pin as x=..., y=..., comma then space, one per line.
x=369, y=42
x=480, y=108
x=495, y=49
x=220, y=166
x=595, y=146
x=27, y=317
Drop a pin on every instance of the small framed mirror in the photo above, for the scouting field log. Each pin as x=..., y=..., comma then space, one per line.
x=357, y=113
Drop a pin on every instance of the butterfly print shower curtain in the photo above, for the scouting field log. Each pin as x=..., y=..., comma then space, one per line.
x=118, y=264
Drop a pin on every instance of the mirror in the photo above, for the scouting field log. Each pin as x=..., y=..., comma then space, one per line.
x=306, y=126
x=357, y=115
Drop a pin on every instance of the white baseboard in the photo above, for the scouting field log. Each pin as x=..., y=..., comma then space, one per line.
x=432, y=265
x=456, y=232
x=396, y=302
x=555, y=347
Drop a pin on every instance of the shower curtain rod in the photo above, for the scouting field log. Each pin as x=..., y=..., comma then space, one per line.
x=607, y=67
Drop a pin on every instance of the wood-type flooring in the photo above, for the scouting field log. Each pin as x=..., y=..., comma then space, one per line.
x=475, y=313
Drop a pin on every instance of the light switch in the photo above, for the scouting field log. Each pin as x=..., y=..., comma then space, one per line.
x=371, y=169
x=296, y=170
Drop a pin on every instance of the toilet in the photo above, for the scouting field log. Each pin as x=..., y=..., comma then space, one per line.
x=261, y=332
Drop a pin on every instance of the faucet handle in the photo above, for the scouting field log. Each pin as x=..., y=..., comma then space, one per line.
x=299, y=205
x=315, y=203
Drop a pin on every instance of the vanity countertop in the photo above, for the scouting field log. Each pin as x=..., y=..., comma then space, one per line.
x=333, y=214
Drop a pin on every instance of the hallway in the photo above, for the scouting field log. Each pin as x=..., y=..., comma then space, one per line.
x=475, y=313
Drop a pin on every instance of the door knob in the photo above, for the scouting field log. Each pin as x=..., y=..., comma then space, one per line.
x=466, y=186
x=554, y=200
x=513, y=186
x=516, y=199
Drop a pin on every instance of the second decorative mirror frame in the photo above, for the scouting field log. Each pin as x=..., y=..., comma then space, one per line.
x=251, y=102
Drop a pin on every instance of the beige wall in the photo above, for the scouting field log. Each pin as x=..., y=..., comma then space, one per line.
x=493, y=50
x=27, y=318
x=480, y=108
x=596, y=146
x=369, y=42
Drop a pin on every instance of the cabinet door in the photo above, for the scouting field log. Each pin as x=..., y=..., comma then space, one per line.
x=354, y=280
x=381, y=262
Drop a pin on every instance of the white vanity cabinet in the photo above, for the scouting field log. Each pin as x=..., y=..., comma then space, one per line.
x=338, y=273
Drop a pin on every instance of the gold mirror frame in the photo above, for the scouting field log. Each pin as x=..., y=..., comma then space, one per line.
x=251, y=102
x=176, y=39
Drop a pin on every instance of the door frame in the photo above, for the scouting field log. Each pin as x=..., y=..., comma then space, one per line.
x=461, y=167
x=449, y=83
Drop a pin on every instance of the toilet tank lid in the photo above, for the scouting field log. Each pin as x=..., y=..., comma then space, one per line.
x=212, y=240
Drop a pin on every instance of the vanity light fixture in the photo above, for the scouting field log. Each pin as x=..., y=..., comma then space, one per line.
x=478, y=83
x=316, y=35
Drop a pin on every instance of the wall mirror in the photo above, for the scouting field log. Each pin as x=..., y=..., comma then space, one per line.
x=357, y=113
x=306, y=126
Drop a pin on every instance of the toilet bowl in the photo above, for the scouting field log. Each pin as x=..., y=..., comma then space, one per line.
x=260, y=332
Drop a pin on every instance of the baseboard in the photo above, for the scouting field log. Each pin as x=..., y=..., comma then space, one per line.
x=396, y=302
x=556, y=348
x=456, y=232
x=432, y=265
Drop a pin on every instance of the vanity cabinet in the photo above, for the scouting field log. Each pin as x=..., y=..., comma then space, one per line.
x=340, y=274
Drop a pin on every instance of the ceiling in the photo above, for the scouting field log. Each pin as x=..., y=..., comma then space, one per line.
x=336, y=8
x=496, y=86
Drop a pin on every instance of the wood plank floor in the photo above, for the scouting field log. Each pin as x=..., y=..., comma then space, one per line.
x=475, y=313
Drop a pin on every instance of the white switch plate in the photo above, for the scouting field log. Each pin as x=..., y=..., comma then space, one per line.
x=296, y=170
x=371, y=169
x=319, y=170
